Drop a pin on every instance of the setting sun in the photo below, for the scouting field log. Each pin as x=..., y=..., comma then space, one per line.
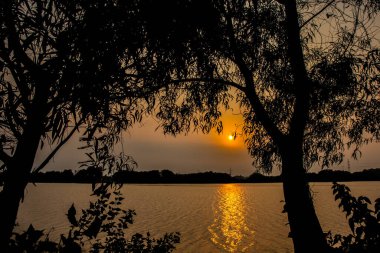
x=230, y=137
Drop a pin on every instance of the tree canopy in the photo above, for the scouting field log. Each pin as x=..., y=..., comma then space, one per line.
x=63, y=65
x=62, y=61
x=305, y=75
x=241, y=52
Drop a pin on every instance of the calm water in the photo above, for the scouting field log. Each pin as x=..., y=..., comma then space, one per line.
x=210, y=218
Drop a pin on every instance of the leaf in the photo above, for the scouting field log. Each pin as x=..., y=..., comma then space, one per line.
x=48, y=246
x=377, y=205
x=352, y=224
x=69, y=245
x=364, y=199
x=33, y=235
x=71, y=216
x=94, y=228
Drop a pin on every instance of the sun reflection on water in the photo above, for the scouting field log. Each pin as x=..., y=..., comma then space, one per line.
x=229, y=229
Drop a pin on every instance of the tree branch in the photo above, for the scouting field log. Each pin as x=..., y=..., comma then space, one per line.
x=14, y=69
x=257, y=106
x=316, y=14
x=56, y=149
x=211, y=80
x=10, y=124
x=4, y=157
x=14, y=43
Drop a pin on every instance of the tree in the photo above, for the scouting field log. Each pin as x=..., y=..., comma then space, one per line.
x=305, y=75
x=60, y=69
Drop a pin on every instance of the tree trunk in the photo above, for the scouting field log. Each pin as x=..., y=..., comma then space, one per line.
x=16, y=178
x=10, y=198
x=305, y=229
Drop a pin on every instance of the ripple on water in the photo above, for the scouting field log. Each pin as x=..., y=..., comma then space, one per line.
x=230, y=230
x=211, y=218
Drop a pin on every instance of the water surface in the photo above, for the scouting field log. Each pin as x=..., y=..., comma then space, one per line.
x=210, y=218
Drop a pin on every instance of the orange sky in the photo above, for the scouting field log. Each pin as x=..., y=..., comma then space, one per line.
x=194, y=152
x=191, y=153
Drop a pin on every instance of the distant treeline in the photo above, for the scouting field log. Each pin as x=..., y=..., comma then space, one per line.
x=91, y=175
x=325, y=175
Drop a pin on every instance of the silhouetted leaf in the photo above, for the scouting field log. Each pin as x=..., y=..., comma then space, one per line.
x=33, y=235
x=351, y=223
x=94, y=228
x=71, y=216
x=70, y=246
x=365, y=199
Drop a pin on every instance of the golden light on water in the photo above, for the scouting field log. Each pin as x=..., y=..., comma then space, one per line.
x=229, y=230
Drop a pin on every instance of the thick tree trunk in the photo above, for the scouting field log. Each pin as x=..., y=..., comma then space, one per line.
x=10, y=198
x=16, y=178
x=305, y=229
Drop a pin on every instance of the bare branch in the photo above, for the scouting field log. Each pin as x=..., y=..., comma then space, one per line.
x=316, y=14
x=57, y=148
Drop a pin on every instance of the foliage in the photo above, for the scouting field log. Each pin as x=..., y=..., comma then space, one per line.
x=303, y=74
x=100, y=155
x=101, y=227
x=364, y=223
x=244, y=53
x=64, y=65
x=61, y=69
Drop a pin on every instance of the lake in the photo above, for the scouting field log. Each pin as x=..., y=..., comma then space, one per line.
x=210, y=218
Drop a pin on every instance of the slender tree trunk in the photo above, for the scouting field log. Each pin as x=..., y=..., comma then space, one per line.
x=16, y=178
x=305, y=229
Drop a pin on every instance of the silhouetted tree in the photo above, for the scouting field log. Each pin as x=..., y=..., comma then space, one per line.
x=168, y=176
x=304, y=73
x=66, y=176
x=89, y=175
x=60, y=68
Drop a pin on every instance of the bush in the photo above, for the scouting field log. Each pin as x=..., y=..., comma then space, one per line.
x=100, y=228
x=364, y=223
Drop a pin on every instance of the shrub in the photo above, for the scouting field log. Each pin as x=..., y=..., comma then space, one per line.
x=100, y=228
x=364, y=223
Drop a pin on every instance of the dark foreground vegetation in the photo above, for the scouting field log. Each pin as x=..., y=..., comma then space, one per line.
x=363, y=221
x=91, y=175
x=99, y=228
x=102, y=226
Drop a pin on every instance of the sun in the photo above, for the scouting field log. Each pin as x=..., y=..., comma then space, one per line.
x=230, y=137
